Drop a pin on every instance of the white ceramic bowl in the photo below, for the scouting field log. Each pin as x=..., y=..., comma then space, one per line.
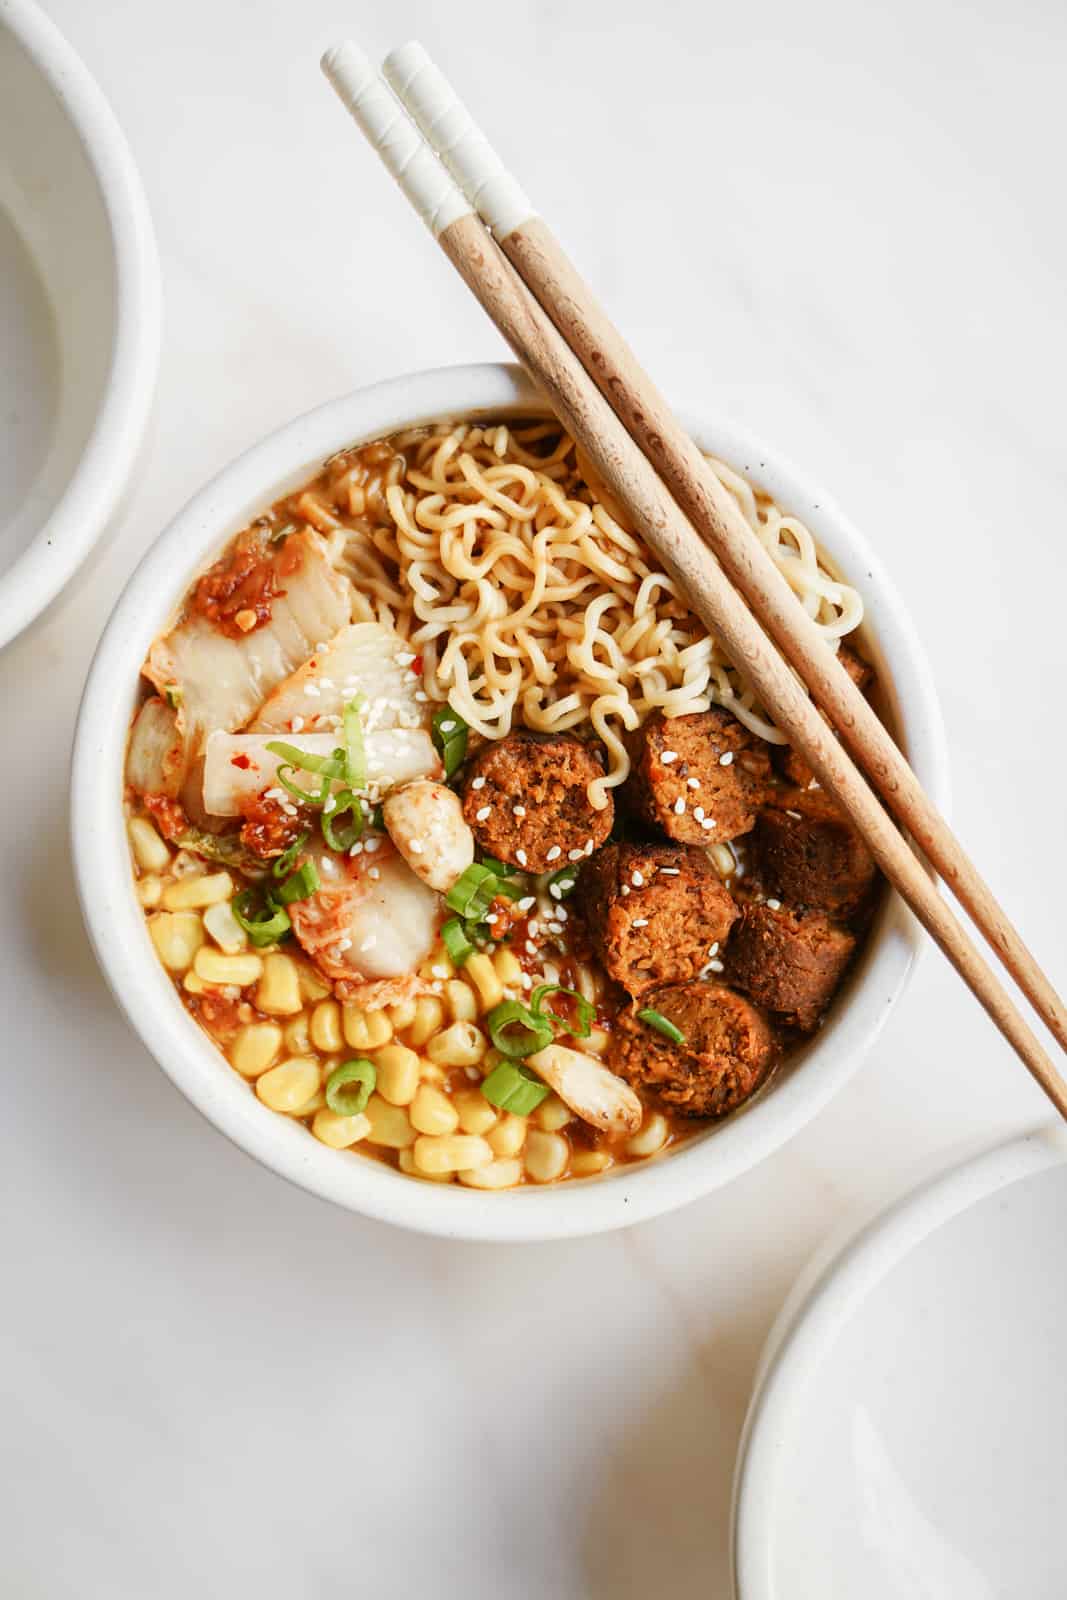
x=906, y=1433
x=79, y=313
x=116, y=923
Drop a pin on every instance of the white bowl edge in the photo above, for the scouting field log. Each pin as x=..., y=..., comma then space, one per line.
x=95, y=489
x=115, y=920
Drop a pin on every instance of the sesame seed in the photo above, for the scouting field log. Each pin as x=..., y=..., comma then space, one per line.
x=530, y=947
x=554, y=854
x=483, y=813
x=274, y=794
x=369, y=942
x=795, y=815
x=716, y=966
x=574, y=855
x=694, y=783
x=477, y=783
x=518, y=811
x=492, y=919
x=707, y=823
x=774, y=905
x=343, y=945
x=698, y=812
x=439, y=971
x=561, y=914
x=327, y=683
x=311, y=691
x=404, y=658
x=374, y=873
x=357, y=848
x=372, y=845
x=527, y=983
x=472, y=1073
x=626, y=888
x=534, y=926
x=670, y=872
x=727, y=759
x=297, y=724
x=527, y=903
x=421, y=696
x=667, y=756
x=415, y=846
x=636, y=878
x=330, y=804
x=520, y=857
x=679, y=806
x=448, y=727
x=714, y=949
x=555, y=891
x=640, y=922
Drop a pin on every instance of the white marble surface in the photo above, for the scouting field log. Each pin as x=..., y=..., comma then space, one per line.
x=840, y=222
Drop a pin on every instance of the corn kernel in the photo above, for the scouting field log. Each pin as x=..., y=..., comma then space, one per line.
x=722, y=859
x=545, y=1156
x=177, y=936
x=312, y=987
x=502, y=1174
x=460, y=1000
x=149, y=851
x=402, y=1014
x=326, y=1027
x=507, y=1137
x=188, y=894
x=290, y=1085
x=389, y=1125
x=429, y=1015
x=365, y=1030
x=298, y=1035
x=225, y=929
x=460, y=1045
x=475, y=1113
x=433, y=1112
x=279, y=987
x=254, y=1048
x=149, y=891
x=552, y=1114
x=398, y=1073
x=340, y=1132
x=214, y=967
x=650, y=1137
x=406, y=1162
x=481, y=972
x=587, y=1163
x=450, y=1152
x=507, y=967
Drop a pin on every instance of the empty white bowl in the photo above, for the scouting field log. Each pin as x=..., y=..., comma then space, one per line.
x=79, y=313
x=116, y=922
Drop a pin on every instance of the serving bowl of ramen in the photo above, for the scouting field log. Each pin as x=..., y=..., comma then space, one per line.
x=437, y=852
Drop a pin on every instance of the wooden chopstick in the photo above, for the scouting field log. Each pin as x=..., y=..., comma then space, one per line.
x=548, y=272
x=657, y=517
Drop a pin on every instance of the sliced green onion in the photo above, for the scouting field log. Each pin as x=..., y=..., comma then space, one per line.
x=377, y=820
x=268, y=928
x=304, y=882
x=335, y=807
x=284, y=777
x=516, y=1030
x=563, y=883
x=347, y=1101
x=501, y=868
x=455, y=940
x=172, y=694
x=450, y=738
x=514, y=1088
x=331, y=766
x=473, y=891
x=510, y=888
x=662, y=1024
x=286, y=860
x=355, y=755
x=586, y=1010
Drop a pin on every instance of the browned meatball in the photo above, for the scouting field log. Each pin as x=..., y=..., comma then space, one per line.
x=790, y=762
x=726, y=1051
x=807, y=851
x=700, y=778
x=526, y=800
x=789, y=961
x=654, y=912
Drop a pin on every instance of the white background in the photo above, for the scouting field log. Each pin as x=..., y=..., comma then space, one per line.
x=840, y=222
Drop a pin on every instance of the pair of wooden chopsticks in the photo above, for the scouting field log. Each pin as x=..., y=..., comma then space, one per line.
x=522, y=278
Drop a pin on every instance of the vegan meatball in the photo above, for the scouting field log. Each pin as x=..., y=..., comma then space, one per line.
x=725, y=1051
x=700, y=778
x=526, y=799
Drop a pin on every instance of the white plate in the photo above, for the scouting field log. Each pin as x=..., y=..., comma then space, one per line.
x=79, y=313
x=908, y=1435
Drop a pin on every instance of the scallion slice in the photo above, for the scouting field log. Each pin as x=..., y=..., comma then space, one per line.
x=303, y=882
x=285, y=861
x=341, y=836
x=656, y=1019
x=331, y=766
x=450, y=738
x=355, y=755
x=514, y=1088
x=284, y=777
x=473, y=891
x=517, y=1031
x=586, y=1009
x=455, y=940
x=266, y=928
x=350, y=1086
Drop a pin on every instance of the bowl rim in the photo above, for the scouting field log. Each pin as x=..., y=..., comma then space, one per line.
x=844, y=1270
x=105, y=465
x=115, y=921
